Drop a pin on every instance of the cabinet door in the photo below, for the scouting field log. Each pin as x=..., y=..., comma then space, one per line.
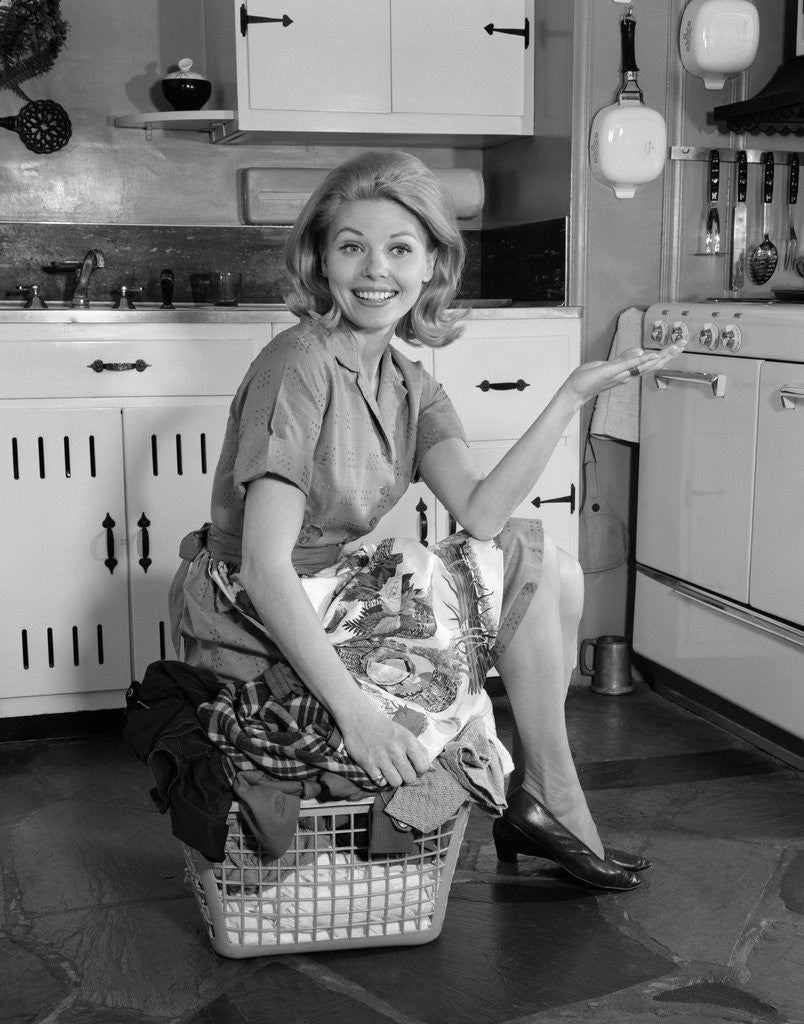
x=170, y=457
x=444, y=61
x=332, y=57
x=64, y=628
x=554, y=499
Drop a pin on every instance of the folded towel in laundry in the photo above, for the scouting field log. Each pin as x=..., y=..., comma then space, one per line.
x=616, y=412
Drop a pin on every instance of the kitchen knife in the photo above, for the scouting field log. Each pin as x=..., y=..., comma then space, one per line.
x=712, y=217
x=739, y=224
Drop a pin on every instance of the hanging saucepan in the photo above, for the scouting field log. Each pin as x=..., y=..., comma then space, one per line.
x=628, y=141
x=42, y=125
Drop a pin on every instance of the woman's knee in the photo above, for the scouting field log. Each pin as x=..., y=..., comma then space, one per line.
x=571, y=583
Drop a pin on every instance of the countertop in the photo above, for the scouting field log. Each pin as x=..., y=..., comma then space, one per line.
x=103, y=313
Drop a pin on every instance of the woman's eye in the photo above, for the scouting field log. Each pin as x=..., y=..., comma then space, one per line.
x=400, y=250
x=350, y=248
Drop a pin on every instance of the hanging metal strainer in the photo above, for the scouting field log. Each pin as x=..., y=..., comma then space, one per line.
x=42, y=125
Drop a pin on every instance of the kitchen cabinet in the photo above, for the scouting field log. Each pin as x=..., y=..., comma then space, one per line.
x=109, y=434
x=368, y=67
x=500, y=375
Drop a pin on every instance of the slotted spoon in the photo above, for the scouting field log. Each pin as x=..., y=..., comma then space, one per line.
x=765, y=256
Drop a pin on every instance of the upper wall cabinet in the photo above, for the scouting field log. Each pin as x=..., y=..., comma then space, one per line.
x=289, y=68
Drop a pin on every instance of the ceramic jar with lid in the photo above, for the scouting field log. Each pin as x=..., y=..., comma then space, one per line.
x=185, y=89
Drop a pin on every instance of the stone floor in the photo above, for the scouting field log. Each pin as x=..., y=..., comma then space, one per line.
x=97, y=925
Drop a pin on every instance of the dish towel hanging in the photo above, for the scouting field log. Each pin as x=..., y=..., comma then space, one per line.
x=602, y=534
x=616, y=412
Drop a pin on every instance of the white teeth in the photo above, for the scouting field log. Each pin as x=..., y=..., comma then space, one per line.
x=375, y=296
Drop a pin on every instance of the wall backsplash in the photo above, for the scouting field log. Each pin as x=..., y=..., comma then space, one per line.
x=524, y=263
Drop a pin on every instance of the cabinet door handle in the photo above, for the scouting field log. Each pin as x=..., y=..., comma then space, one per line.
x=99, y=366
x=566, y=498
x=510, y=385
x=524, y=32
x=144, y=522
x=110, y=561
x=421, y=508
x=247, y=19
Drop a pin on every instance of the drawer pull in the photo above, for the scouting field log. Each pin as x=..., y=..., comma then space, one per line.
x=421, y=508
x=99, y=366
x=144, y=522
x=110, y=561
x=511, y=385
x=567, y=498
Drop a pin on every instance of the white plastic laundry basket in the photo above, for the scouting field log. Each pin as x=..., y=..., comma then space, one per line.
x=326, y=892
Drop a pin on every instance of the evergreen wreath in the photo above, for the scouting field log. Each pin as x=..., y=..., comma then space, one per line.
x=32, y=33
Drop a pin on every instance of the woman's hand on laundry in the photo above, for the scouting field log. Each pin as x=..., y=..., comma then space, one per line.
x=384, y=748
x=592, y=378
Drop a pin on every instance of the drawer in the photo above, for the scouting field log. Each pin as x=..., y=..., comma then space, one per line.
x=500, y=385
x=149, y=367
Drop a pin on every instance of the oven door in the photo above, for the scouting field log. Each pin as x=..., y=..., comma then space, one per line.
x=696, y=471
x=777, y=561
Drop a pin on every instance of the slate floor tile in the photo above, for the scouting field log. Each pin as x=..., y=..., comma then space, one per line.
x=70, y=855
x=273, y=993
x=699, y=894
x=506, y=951
x=674, y=769
x=765, y=809
x=153, y=958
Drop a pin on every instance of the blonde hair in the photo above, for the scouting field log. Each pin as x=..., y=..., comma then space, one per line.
x=381, y=174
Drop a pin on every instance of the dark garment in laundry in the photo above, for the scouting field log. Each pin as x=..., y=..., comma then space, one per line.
x=163, y=730
x=268, y=810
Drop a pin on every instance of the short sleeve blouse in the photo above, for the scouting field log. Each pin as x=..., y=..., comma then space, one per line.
x=304, y=413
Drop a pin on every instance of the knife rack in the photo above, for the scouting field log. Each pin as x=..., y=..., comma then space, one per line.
x=754, y=156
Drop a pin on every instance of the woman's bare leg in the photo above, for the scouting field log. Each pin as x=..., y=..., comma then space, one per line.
x=535, y=668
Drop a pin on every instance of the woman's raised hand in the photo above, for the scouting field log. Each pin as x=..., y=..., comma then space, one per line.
x=590, y=379
x=384, y=749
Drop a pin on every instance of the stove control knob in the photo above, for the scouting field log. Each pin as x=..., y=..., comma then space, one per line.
x=680, y=335
x=732, y=338
x=659, y=333
x=709, y=336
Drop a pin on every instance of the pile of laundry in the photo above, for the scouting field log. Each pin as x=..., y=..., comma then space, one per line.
x=208, y=745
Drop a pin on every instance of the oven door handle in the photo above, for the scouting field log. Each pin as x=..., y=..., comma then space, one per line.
x=777, y=629
x=716, y=381
x=790, y=393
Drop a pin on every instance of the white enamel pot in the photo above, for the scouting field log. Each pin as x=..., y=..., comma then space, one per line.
x=718, y=38
x=628, y=140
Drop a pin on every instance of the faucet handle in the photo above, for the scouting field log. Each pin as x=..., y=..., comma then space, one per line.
x=35, y=300
x=124, y=295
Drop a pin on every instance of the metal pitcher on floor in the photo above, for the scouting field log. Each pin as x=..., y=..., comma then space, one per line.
x=610, y=666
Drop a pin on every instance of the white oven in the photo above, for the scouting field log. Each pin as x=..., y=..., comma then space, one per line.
x=719, y=599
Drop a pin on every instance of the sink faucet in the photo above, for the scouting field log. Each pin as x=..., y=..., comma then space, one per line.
x=93, y=259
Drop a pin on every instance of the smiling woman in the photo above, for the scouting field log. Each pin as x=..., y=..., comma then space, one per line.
x=374, y=659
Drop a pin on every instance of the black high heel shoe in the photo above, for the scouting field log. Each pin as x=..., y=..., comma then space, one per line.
x=629, y=861
x=529, y=828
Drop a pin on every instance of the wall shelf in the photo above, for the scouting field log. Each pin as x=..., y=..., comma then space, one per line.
x=176, y=120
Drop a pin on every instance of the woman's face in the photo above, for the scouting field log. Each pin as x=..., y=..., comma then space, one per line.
x=376, y=258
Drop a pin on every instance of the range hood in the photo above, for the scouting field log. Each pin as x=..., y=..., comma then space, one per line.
x=778, y=109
